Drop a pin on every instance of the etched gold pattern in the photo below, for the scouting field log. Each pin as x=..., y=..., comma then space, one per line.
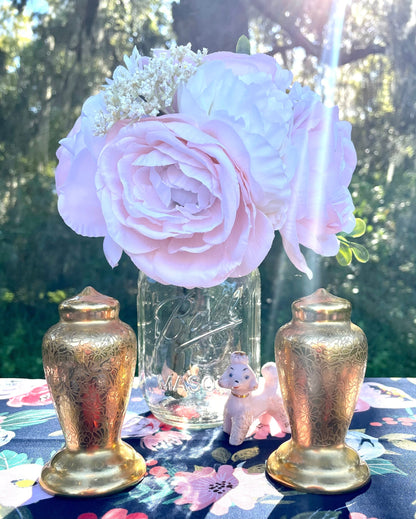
x=321, y=358
x=89, y=360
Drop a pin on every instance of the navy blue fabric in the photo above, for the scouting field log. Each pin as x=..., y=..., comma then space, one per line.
x=383, y=430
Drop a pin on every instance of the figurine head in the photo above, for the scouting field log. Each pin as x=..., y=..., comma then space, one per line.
x=238, y=377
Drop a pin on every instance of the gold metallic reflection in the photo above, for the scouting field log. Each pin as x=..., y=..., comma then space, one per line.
x=88, y=473
x=322, y=470
x=89, y=360
x=321, y=358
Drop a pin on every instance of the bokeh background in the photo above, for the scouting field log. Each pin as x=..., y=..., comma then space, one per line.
x=359, y=54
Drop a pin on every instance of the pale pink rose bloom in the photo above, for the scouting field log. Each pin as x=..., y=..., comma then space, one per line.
x=204, y=487
x=78, y=203
x=249, y=94
x=323, y=159
x=174, y=196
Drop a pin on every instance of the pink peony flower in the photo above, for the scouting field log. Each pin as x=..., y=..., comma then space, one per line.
x=78, y=203
x=323, y=159
x=194, y=197
x=249, y=94
x=173, y=194
x=250, y=67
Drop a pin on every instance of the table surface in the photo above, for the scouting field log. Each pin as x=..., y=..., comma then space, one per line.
x=185, y=468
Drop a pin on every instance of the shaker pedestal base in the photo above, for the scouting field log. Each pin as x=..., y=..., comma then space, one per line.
x=93, y=473
x=323, y=470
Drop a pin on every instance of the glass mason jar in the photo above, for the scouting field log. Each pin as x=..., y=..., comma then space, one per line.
x=185, y=339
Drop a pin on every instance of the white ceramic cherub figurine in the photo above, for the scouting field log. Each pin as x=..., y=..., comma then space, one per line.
x=249, y=399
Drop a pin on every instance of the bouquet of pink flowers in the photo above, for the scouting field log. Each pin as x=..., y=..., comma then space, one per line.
x=189, y=163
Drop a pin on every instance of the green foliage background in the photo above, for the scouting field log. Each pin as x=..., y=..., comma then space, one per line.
x=44, y=79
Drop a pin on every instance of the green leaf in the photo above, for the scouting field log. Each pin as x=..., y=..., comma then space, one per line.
x=379, y=466
x=21, y=513
x=360, y=252
x=9, y=459
x=26, y=418
x=359, y=228
x=344, y=256
x=243, y=45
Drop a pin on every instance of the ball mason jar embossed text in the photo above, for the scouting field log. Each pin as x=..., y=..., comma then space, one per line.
x=185, y=340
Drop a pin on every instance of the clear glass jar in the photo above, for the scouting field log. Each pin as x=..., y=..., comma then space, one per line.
x=185, y=339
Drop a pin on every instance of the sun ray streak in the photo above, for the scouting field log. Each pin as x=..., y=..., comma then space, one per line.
x=326, y=85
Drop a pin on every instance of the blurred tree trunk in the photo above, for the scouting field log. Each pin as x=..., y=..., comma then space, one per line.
x=214, y=24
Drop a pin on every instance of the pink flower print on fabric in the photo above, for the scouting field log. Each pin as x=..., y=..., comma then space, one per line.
x=250, y=489
x=380, y=396
x=358, y=515
x=164, y=439
x=136, y=426
x=159, y=472
x=37, y=396
x=203, y=487
x=115, y=513
x=10, y=387
x=223, y=489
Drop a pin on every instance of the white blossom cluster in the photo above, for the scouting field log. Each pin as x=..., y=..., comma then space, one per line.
x=146, y=86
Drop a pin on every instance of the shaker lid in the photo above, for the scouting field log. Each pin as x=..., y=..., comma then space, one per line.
x=89, y=305
x=321, y=306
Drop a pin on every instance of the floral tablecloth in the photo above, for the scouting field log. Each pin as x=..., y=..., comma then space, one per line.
x=197, y=474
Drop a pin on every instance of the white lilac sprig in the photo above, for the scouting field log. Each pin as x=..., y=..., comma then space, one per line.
x=146, y=86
